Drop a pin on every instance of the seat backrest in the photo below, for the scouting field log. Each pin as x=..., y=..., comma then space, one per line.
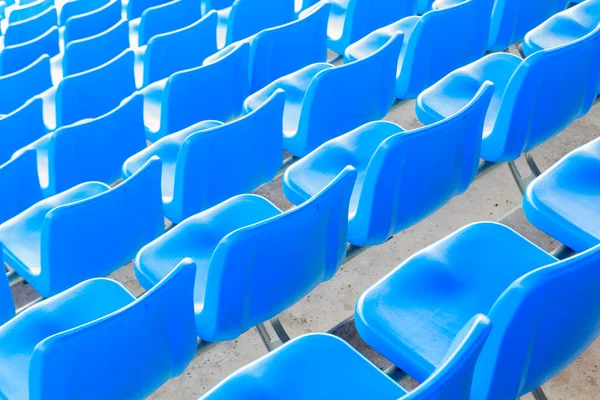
x=541, y=100
x=207, y=5
x=20, y=183
x=285, y=49
x=7, y=304
x=248, y=282
x=122, y=219
x=179, y=50
x=343, y=98
x=24, y=84
x=126, y=354
x=135, y=8
x=211, y=92
x=254, y=159
x=29, y=10
x=95, y=150
x=168, y=17
x=93, y=51
x=95, y=92
x=542, y=323
x=29, y=29
x=512, y=19
x=78, y=7
x=21, y=127
x=412, y=174
x=248, y=17
x=442, y=41
x=19, y=56
x=365, y=16
x=93, y=22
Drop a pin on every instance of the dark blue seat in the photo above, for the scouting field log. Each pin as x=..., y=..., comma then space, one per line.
x=61, y=347
x=24, y=84
x=244, y=153
x=31, y=28
x=240, y=281
x=167, y=17
x=21, y=127
x=544, y=312
x=323, y=101
x=563, y=201
x=93, y=22
x=48, y=243
x=19, y=56
x=211, y=92
x=20, y=172
x=7, y=304
x=402, y=178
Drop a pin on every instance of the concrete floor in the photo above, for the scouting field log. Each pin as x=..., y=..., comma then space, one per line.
x=489, y=198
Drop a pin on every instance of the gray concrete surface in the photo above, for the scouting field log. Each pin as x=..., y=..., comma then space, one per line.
x=489, y=198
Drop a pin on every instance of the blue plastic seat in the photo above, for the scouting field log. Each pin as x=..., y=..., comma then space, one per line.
x=240, y=281
x=303, y=42
x=323, y=101
x=211, y=92
x=19, y=56
x=135, y=8
x=247, y=17
x=7, y=304
x=512, y=19
x=563, y=201
x=20, y=185
x=95, y=92
x=29, y=10
x=434, y=44
x=91, y=150
x=533, y=100
x=302, y=5
x=24, y=84
x=21, y=127
x=93, y=51
x=93, y=22
x=564, y=27
x=167, y=17
x=63, y=240
x=326, y=367
x=351, y=20
x=77, y=7
x=179, y=50
x=396, y=169
x=544, y=312
x=97, y=341
x=197, y=161
x=207, y=5
x=31, y=28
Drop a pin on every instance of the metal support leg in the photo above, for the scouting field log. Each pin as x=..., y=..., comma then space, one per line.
x=270, y=342
x=532, y=165
x=522, y=181
x=538, y=394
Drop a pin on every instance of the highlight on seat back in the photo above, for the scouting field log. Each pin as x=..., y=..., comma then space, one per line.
x=168, y=17
x=351, y=20
x=179, y=50
x=534, y=98
x=240, y=280
x=244, y=153
x=93, y=22
x=95, y=92
x=46, y=243
x=91, y=150
x=135, y=8
x=434, y=44
x=563, y=200
x=512, y=19
x=22, y=85
x=19, y=181
x=93, y=51
x=302, y=5
x=29, y=10
x=389, y=195
x=211, y=92
x=326, y=364
x=19, y=56
x=76, y=7
x=61, y=346
x=31, y=28
x=323, y=101
x=207, y=5
x=7, y=304
x=21, y=127
x=248, y=17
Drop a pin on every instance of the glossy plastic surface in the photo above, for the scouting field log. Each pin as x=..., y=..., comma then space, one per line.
x=21, y=173
x=135, y=8
x=74, y=8
x=241, y=281
x=19, y=56
x=168, y=17
x=323, y=101
x=21, y=127
x=31, y=28
x=26, y=11
x=93, y=22
x=24, y=84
